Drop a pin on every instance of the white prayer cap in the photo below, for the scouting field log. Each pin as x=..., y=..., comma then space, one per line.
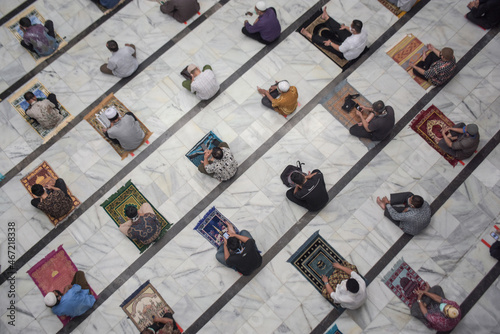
x=261, y=5
x=50, y=299
x=111, y=112
x=191, y=68
x=283, y=86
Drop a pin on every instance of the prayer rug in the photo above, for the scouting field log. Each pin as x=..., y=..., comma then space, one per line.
x=334, y=330
x=110, y=101
x=310, y=26
x=35, y=18
x=19, y=103
x=393, y=8
x=428, y=124
x=210, y=225
x=334, y=101
x=45, y=175
x=130, y=195
x=1, y=176
x=403, y=280
x=143, y=304
x=196, y=154
x=409, y=49
x=54, y=272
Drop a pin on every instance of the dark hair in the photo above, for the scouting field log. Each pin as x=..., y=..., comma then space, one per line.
x=112, y=46
x=297, y=178
x=131, y=211
x=417, y=201
x=58, y=301
x=147, y=331
x=357, y=25
x=352, y=285
x=233, y=243
x=29, y=95
x=378, y=106
x=217, y=153
x=25, y=22
x=37, y=189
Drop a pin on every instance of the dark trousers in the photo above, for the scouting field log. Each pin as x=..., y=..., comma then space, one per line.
x=426, y=64
x=115, y=141
x=442, y=144
x=399, y=202
x=50, y=27
x=80, y=279
x=334, y=34
x=415, y=308
x=256, y=35
x=59, y=184
x=480, y=21
x=266, y=102
x=360, y=132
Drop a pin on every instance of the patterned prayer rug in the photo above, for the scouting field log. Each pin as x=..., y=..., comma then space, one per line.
x=393, y=8
x=130, y=195
x=110, y=101
x=143, y=304
x=196, y=154
x=403, y=280
x=333, y=103
x=54, y=272
x=310, y=26
x=19, y=103
x=409, y=49
x=334, y=330
x=210, y=225
x=35, y=18
x=45, y=175
x=2, y=176
x=428, y=124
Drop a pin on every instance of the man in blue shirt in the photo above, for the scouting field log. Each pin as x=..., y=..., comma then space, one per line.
x=75, y=299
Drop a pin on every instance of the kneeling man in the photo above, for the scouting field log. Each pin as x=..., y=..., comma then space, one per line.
x=125, y=131
x=142, y=226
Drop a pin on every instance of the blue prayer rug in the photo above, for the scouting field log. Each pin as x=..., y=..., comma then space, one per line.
x=196, y=154
x=334, y=330
x=210, y=225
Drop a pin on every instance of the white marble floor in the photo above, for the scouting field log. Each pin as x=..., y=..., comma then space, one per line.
x=278, y=299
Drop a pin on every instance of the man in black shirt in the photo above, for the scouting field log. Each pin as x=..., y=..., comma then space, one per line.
x=239, y=251
x=310, y=190
x=377, y=125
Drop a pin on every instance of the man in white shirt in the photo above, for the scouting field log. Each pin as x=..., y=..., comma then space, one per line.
x=346, y=42
x=202, y=83
x=350, y=293
x=122, y=62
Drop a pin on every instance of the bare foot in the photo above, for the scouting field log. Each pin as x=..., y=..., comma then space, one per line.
x=380, y=203
x=325, y=16
x=306, y=33
x=386, y=200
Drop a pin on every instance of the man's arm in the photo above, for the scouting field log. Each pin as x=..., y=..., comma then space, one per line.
x=341, y=267
x=226, y=251
x=396, y=215
x=265, y=93
x=363, y=120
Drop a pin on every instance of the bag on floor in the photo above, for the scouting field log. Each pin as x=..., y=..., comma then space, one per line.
x=349, y=102
x=288, y=171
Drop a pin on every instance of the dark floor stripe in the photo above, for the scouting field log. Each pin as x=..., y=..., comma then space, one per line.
x=15, y=11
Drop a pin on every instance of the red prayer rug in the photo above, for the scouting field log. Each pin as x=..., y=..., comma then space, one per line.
x=428, y=125
x=54, y=272
x=403, y=280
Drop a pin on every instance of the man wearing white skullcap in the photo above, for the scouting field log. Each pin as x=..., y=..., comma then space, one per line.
x=281, y=97
x=125, y=131
x=266, y=28
x=75, y=299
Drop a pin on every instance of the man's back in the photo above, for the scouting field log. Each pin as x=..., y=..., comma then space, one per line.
x=286, y=103
x=205, y=85
x=248, y=260
x=128, y=132
x=45, y=113
x=354, y=45
x=122, y=63
x=465, y=146
x=146, y=229
x=56, y=204
x=37, y=36
x=381, y=125
x=75, y=302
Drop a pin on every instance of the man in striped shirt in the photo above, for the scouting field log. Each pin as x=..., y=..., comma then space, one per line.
x=202, y=83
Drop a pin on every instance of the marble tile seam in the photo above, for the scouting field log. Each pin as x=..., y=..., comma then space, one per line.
x=15, y=11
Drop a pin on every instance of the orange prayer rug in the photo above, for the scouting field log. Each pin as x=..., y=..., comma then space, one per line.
x=409, y=49
x=428, y=125
x=110, y=101
x=45, y=175
x=54, y=272
x=393, y=8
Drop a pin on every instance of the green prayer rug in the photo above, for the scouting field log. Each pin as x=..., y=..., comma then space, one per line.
x=130, y=195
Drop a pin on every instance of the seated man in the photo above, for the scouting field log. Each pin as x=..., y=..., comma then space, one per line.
x=436, y=66
x=266, y=28
x=484, y=13
x=44, y=111
x=38, y=38
x=106, y=3
x=142, y=226
x=310, y=190
x=410, y=212
x=377, y=125
x=75, y=299
x=165, y=325
x=219, y=163
x=346, y=42
x=181, y=10
x=434, y=310
x=404, y=5
x=460, y=141
x=126, y=131
x=239, y=252
x=203, y=84
x=281, y=97
x=122, y=62
x=349, y=293
x=53, y=200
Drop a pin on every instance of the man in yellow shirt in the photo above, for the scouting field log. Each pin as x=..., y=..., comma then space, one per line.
x=281, y=97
